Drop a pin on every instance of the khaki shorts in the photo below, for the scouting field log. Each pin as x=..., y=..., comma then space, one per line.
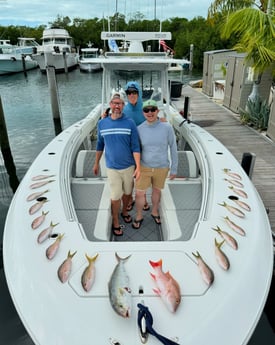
x=120, y=181
x=154, y=177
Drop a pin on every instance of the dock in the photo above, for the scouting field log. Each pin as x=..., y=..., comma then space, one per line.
x=238, y=138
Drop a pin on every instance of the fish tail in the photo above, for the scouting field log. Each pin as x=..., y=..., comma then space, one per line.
x=155, y=264
x=53, y=225
x=219, y=244
x=71, y=255
x=91, y=259
x=223, y=204
x=119, y=258
x=45, y=213
x=196, y=255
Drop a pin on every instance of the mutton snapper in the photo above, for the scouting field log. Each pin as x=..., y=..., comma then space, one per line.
x=119, y=289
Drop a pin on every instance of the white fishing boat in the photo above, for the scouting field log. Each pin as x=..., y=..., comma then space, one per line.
x=27, y=45
x=14, y=59
x=56, y=50
x=86, y=60
x=211, y=197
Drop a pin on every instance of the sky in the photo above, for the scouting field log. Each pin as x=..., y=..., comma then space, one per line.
x=33, y=13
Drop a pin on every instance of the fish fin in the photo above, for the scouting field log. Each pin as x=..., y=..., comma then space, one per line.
x=157, y=291
x=155, y=264
x=153, y=276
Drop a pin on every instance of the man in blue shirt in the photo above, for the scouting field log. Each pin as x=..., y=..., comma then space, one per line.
x=118, y=135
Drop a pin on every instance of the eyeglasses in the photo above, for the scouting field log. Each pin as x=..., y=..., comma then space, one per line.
x=117, y=103
x=131, y=92
x=152, y=109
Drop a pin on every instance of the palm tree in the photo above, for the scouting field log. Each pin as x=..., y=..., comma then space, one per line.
x=253, y=24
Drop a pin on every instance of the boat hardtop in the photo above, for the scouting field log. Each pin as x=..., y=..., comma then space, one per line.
x=198, y=202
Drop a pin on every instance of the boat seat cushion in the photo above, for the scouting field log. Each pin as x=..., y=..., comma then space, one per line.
x=187, y=164
x=84, y=164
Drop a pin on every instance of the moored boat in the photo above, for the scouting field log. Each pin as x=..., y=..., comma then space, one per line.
x=59, y=194
x=14, y=59
x=86, y=60
x=56, y=50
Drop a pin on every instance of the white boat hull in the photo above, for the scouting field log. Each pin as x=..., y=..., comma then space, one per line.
x=89, y=67
x=59, y=61
x=14, y=64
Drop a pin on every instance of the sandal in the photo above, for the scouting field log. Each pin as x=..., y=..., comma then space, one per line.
x=130, y=206
x=156, y=219
x=127, y=219
x=146, y=207
x=138, y=223
x=117, y=231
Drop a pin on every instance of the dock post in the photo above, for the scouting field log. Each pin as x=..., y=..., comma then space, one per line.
x=55, y=104
x=6, y=151
x=248, y=161
x=65, y=61
x=24, y=65
x=191, y=57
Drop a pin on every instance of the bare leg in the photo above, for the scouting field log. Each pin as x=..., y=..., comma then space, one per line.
x=156, y=195
x=115, y=207
x=125, y=203
x=139, y=206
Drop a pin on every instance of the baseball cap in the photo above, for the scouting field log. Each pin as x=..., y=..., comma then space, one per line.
x=118, y=95
x=131, y=87
x=150, y=103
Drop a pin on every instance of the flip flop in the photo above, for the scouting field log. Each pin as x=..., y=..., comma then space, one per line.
x=117, y=231
x=127, y=219
x=130, y=206
x=156, y=219
x=146, y=207
x=138, y=222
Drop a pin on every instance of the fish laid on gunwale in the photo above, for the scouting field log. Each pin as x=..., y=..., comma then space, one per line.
x=167, y=287
x=119, y=289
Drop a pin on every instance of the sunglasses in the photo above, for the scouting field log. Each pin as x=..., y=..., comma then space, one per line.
x=131, y=92
x=152, y=109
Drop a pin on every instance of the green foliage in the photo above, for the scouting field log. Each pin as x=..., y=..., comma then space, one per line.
x=198, y=32
x=256, y=114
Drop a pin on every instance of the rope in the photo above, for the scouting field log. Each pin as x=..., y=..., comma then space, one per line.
x=145, y=313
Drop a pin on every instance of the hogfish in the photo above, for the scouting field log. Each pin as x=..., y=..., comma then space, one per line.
x=167, y=287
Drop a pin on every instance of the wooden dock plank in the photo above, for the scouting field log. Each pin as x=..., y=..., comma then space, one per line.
x=238, y=138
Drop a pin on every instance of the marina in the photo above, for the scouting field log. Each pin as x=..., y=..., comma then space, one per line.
x=217, y=119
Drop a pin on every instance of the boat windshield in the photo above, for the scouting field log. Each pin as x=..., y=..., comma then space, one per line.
x=149, y=81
